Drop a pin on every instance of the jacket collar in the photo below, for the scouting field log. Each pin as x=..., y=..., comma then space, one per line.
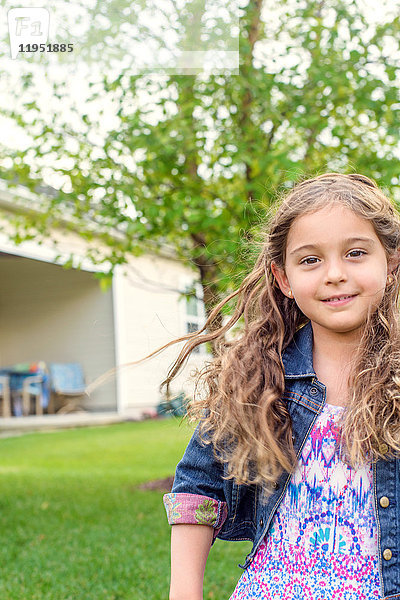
x=298, y=358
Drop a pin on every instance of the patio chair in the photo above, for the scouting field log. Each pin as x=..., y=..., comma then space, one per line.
x=29, y=381
x=68, y=385
x=32, y=387
x=5, y=395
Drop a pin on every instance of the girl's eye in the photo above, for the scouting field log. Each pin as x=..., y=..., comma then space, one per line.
x=356, y=253
x=310, y=260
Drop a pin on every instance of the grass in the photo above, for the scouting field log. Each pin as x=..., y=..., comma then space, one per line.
x=74, y=525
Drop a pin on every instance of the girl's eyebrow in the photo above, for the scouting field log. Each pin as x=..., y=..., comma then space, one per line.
x=352, y=240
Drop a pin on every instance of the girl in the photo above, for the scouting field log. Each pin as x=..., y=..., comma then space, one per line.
x=298, y=444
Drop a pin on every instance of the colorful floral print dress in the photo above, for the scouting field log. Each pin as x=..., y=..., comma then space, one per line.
x=322, y=543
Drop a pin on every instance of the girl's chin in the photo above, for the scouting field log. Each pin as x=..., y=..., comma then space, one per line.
x=339, y=327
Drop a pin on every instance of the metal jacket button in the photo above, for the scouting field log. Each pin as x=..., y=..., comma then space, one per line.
x=313, y=391
x=262, y=525
x=387, y=554
x=384, y=501
x=383, y=448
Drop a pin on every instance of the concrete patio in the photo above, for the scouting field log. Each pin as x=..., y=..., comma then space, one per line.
x=20, y=425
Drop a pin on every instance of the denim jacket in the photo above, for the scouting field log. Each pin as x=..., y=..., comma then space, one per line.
x=201, y=495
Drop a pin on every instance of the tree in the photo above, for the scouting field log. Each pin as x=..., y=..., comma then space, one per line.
x=198, y=164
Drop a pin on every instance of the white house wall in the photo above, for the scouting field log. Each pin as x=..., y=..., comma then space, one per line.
x=148, y=314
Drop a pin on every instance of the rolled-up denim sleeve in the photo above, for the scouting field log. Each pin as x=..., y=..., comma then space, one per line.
x=197, y=495
x=195, y=510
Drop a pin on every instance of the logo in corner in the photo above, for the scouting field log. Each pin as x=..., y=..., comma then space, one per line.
x=27, y=26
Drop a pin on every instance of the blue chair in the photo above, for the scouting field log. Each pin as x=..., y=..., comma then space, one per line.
x=34, y=387
x=68, y=384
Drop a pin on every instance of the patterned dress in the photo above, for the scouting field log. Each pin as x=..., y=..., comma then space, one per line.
x=322, y=543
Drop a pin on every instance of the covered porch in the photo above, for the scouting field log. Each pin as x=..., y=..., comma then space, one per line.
x=50, y=314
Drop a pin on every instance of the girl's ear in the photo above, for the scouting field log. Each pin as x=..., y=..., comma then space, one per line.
x=394, y=261
x=281, y=279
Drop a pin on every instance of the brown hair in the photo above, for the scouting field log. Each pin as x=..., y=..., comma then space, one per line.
x=242, y=413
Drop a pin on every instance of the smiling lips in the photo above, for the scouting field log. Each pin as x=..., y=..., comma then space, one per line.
x=338, y=299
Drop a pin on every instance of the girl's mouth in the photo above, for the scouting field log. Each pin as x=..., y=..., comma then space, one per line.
x=339, y=300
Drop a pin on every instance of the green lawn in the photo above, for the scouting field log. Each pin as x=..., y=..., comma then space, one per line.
x=74, y=525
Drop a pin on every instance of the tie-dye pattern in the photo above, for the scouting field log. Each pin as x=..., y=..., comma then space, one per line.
x=322, y=543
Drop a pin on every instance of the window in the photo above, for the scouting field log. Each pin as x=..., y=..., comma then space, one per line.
x=193, y=310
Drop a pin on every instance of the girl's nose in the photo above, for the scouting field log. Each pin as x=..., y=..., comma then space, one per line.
x=335, y=272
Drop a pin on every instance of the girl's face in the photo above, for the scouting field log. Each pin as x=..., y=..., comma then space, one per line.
x=336, y=268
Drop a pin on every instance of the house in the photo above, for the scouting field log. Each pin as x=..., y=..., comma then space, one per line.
x=55, y=314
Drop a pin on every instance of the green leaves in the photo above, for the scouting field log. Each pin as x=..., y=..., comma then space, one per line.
x=202, y=157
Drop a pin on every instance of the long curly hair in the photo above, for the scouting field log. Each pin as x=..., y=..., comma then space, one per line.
x=242, y=412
